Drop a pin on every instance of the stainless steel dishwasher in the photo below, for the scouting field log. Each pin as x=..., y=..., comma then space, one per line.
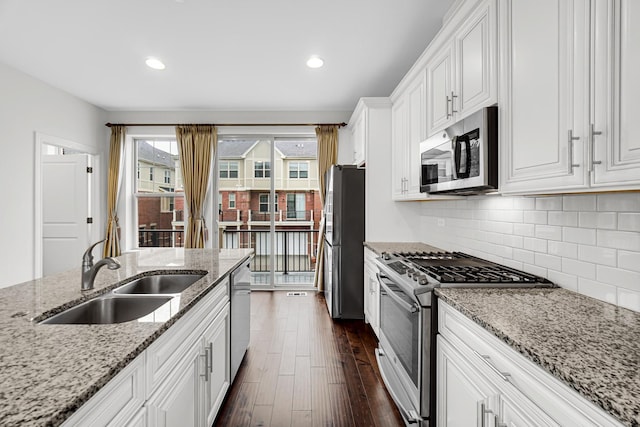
x=240, y=292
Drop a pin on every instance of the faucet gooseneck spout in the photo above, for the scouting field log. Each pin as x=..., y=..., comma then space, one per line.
x=89, y=270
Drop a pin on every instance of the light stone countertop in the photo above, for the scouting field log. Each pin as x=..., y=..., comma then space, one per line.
x=48, y=371
x=379, y=247
x=592, y=346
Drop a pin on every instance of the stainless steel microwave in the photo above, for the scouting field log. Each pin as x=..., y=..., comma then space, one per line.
x=463, y=158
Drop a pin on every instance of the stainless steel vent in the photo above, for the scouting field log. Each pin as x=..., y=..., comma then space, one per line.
x=296, y=294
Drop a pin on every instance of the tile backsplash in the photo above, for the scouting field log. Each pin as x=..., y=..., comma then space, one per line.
x=587, y=243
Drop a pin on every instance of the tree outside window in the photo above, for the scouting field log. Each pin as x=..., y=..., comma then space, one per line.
x=262, y=169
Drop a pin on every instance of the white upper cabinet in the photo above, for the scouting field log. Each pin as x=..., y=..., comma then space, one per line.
x=543, y=99
x=616, y=68
x=567, y=94
x=440, y=83
x=462, y=75
x=359, y=136
x=408, y=130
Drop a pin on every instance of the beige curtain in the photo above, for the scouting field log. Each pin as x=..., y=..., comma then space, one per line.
x=196, y=144
x=327, y=136
x=112, y=244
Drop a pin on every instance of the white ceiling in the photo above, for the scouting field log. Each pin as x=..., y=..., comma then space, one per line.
x=220, y=54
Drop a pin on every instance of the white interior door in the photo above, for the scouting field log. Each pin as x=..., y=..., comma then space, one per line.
x=65, y=209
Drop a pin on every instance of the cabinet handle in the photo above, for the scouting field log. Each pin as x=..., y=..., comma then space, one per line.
x=594, y=133
x=210, y=357
x=452, y=98
x=570, y=148
x=498, y=423
x=482, y=411
x=487, y=361
x=206, y=364
x=447, y=107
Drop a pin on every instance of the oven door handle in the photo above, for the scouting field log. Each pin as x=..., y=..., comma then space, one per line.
x=411, y=308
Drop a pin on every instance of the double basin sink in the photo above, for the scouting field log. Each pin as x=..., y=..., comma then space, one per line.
x=131, y=301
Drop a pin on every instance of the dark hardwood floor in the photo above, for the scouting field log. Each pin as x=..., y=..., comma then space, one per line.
x=303, y=369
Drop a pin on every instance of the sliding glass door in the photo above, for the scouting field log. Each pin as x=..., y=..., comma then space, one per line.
x=268, y=200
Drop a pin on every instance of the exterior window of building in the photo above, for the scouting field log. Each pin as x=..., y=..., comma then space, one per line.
x=262, y=169
x=228, y=169
x=298, y=170
x=296, y=206
x=167, y=176
x=167, y=204
x=232, y=200
x=151, y=173
x=264, y=203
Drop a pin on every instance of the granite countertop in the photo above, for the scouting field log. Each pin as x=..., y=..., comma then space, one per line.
x=379, y=247
x=592, y=346
x=48, y=371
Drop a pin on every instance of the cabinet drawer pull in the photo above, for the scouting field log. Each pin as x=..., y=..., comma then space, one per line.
x=487, y=360
x=447, y=107
x=570, y=149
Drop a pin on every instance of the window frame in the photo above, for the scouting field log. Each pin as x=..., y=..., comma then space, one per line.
x=232, y=199
x=295, y=167
x=225, y=167
x=265, y=170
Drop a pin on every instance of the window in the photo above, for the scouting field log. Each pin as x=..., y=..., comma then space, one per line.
x=157, y=202
x=264, y=203
x=262, y=169
x=232, y=200
x=228, y=169
x=298, y=170
x=296, y=206
x=167, y=204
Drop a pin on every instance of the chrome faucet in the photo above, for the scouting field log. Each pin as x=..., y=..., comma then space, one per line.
x=89, y=270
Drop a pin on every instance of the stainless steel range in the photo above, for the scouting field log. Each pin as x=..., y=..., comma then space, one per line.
x=408, y=318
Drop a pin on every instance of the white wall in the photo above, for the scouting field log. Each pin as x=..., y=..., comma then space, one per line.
x=587, y=243
x=27, y=106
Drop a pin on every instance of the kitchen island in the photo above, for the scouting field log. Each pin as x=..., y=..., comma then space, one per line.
x=48, y=371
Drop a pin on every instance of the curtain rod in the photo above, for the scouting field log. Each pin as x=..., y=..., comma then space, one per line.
x=227, y=124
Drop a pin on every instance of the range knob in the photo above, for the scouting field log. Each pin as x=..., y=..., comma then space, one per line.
x=410, y=272
x=422, y=279
x=386, y=256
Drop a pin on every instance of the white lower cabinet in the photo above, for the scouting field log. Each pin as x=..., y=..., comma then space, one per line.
x=216, y=341
x=177, y=401
x=463, y=393
x=181, y=379
x=371, y=291
x=117, y=403
x=192, y=394
x=481, y=381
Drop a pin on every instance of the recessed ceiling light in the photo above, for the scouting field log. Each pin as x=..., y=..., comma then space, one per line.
x=155, y=63
x=315, y=62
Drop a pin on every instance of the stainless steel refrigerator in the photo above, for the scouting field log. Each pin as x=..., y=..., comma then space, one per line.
x=344, y=236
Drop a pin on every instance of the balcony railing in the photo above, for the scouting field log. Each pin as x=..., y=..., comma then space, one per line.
x=235, y=215
x=156, y=238
x=295, y=250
